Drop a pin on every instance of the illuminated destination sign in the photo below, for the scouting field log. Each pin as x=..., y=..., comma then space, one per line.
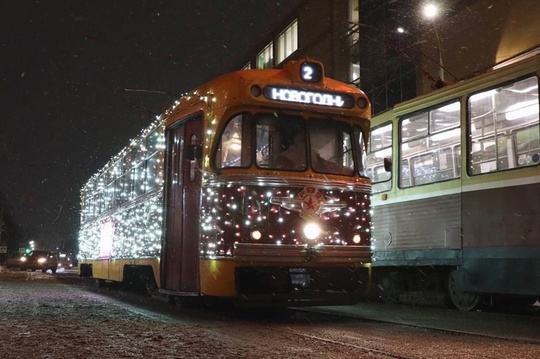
x=308, y=97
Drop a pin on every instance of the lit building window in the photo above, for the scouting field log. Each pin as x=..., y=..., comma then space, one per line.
x=265, y=58
x=354, y=38
x=287, y=42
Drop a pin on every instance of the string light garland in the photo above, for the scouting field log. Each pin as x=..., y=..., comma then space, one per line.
x=122, y=204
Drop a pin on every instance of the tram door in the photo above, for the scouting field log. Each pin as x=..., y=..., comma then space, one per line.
x=182, y=195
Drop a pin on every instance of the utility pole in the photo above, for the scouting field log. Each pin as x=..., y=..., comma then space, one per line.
x=1, y=221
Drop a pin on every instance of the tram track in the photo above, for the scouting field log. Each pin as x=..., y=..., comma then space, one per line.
x=520, y=327
x=314, y=332
x=362, y=348
x=506, y=326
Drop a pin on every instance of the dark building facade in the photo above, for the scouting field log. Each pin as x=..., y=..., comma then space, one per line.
x=394, y=50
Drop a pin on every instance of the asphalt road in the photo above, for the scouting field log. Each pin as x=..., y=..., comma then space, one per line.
x=514, y=326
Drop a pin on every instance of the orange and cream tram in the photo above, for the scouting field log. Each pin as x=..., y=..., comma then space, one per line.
x=251, y=187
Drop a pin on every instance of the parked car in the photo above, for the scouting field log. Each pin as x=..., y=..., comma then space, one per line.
x=43, y=260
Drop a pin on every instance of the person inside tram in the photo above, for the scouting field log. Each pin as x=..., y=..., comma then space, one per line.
x=294, y=157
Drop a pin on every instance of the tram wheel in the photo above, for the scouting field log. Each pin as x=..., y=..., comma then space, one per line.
x=389, y=288
x=184, y=302
x=463, y=301
x=149, y=284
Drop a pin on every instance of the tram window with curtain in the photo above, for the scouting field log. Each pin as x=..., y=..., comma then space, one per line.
x=503, y=127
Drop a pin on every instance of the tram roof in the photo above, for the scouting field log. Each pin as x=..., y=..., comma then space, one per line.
x=239, y=87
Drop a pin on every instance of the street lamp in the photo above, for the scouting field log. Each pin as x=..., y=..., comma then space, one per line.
x=431, y=11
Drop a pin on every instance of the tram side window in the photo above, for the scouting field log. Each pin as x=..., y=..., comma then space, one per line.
x=504, y=131
x=117, y=183
x=380, y=147
x=430, y=148
x=99, y=188
x=127, y=181
x=136, y=172
x=152, y=166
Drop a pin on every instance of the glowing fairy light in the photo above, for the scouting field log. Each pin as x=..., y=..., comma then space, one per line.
x=106, y=197
x=129, y=192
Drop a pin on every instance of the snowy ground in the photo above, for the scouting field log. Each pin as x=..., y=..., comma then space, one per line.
x=42, y=317
x=62, y=316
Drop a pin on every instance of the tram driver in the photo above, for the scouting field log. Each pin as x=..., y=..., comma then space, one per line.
x=294, y=157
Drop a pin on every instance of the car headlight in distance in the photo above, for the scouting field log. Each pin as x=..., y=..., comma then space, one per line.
x=42, y=260
x=23, y=259
x=312, y=230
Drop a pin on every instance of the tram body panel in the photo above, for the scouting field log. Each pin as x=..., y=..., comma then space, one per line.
x=218, y=277
x=258, y=238
x=501, y=235
x=470, y=230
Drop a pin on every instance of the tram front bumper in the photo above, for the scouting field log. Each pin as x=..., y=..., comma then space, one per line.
x=289, y=275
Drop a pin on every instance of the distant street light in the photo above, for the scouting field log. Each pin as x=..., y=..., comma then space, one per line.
x=431, y=11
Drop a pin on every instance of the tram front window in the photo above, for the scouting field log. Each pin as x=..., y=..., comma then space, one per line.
x=283, y=143
x=331, y=147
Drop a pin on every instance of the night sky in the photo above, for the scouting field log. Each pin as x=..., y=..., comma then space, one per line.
x=68, y=74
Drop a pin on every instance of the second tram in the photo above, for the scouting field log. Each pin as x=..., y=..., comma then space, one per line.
x=456, y=181
x=251, y=187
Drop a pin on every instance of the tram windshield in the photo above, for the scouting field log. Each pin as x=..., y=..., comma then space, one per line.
x=291, y=143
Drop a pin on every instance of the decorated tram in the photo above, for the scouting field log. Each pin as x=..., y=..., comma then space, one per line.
x=251, y=187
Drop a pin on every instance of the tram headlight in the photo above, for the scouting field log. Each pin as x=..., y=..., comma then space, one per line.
x=255, y=90
x=256, y=234
x=362, y=102
x=356, y=239
x=312, y=230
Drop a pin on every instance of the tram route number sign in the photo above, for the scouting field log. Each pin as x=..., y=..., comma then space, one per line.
x=311, y=72
x=3, y=249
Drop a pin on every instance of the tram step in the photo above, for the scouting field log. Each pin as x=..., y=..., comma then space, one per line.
x=423, y=298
